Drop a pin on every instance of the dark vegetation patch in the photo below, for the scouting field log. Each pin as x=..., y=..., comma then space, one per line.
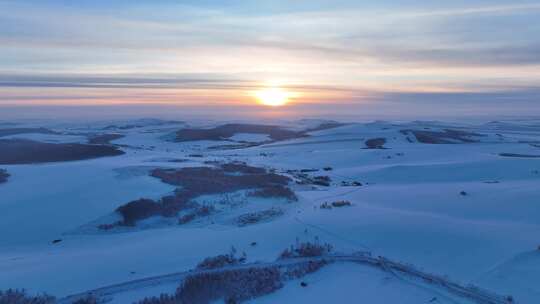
x=103, y=139
x=259, y=216
x=8, y=124
x=21, y=151
x=326, y=126
x=235, y=285
x=138, y=210
x=178, y=160
x=376, y=143
x=275, y=191
x=3, y=176
x=147, y=123
x=87, y=300
x=197, y=181
x=15, y=131
x=242, y=168
x=222, y=260
x=321, y=180
x=307, y=249
x=226, y=131
x=446, y=136
x=199, y=211
x=19, y=296
x=302, y=178
x=336, y=204
x=231, y=286
x=519, y=155
x=234, y=146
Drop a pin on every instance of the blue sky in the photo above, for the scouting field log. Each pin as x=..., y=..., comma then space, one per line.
x=219, y=52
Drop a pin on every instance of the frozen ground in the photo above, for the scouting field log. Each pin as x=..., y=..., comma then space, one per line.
x=456, y=209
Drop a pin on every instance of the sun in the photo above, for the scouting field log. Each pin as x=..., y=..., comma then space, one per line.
x=273, y=97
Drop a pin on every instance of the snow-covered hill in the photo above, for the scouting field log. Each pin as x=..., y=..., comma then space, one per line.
x=452, y=199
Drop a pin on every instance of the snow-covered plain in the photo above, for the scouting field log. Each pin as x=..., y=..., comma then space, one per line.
x=410, y=208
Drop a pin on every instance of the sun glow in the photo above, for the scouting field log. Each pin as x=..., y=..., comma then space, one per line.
x=273, y=97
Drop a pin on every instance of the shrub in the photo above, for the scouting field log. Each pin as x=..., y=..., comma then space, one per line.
x=307, y=249
x=137, y=210
x=201, y=211
x=87, y=300
x=376, y=143
x=222, y=260
x=303, y=269
x=3, y=176
x=108, y=226
x=162, y=299
x=19, y=296
x=275, y=191
x=341, y=203
x=322, y=180
x=255, y=217
x=326, y=205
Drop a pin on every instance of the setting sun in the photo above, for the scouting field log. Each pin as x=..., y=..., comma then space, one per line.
x=273, y=97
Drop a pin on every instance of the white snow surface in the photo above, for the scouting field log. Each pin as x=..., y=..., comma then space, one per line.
x=409, y=209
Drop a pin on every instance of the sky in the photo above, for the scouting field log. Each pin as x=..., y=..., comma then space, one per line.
x=456, y=57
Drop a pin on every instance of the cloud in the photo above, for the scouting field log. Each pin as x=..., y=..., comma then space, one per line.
x=353, y=49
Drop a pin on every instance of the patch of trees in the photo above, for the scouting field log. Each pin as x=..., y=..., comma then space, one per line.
x=103, y=139
x=256, y=217
x=375, y=143
x=15, y=131
x=519, y=155
x=21, y=151
x=275, y=191
x=199, y=211
x=234, y=286
x=307, y=249
x=143, y=123
x=87, y=300
x=19, y=296
x=3, y=176
x=336, y=204
x=303, y=178
x=226, y=131
x=446, y=136
x=326, y=126
x=222, y=260
x=197, y=181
